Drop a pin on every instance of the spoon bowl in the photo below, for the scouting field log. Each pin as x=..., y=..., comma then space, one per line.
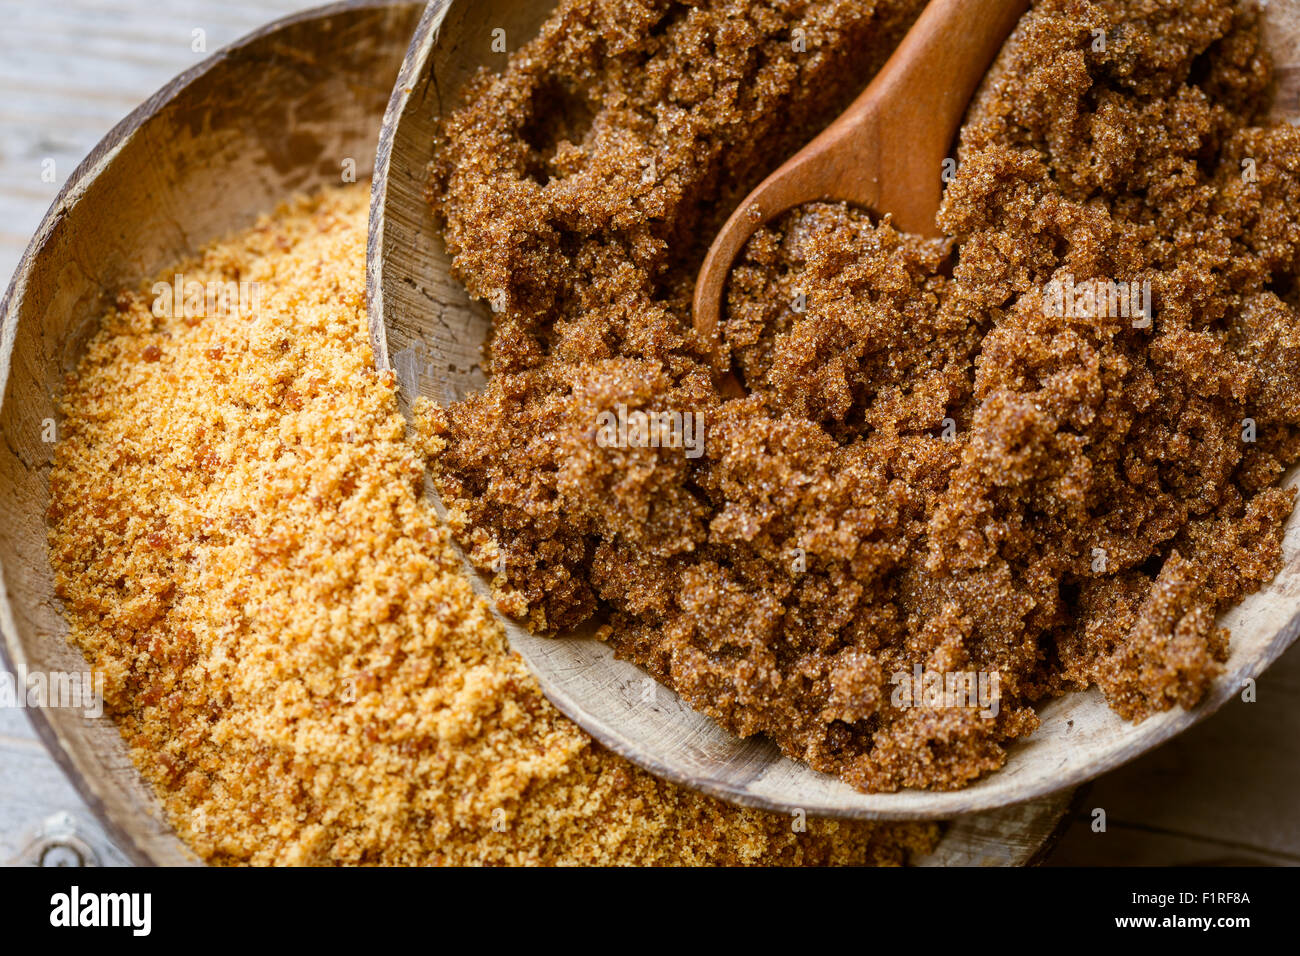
x=885, y=152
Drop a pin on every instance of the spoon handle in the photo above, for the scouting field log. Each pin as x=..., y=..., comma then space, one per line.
x=902, y=126
x=885, y=152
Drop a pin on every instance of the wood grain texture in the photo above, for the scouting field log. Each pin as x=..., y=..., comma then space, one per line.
x=1227, y=791
x=425, y=328
x=70, y=69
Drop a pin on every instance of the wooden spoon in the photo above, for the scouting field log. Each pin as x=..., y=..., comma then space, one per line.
x=885, y=152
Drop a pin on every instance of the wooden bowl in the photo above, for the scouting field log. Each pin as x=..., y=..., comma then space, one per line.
x=221, y=144
x=272, y=114
x=424, y=326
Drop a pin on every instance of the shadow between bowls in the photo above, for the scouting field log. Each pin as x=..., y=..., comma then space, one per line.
x=425, y=328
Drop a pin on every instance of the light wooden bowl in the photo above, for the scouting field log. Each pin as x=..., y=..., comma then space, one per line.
x=425, y=327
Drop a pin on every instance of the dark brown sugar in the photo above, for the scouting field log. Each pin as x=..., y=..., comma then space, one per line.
x=951, y=457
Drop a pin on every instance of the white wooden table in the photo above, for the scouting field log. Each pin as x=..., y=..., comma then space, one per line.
x=70, y=69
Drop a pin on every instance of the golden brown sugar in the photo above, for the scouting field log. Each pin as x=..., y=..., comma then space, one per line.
x=290, y=648
x=935, y=466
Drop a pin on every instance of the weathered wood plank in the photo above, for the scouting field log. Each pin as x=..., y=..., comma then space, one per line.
x=31, y=791
x=1226, y=789
x=70, y=70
